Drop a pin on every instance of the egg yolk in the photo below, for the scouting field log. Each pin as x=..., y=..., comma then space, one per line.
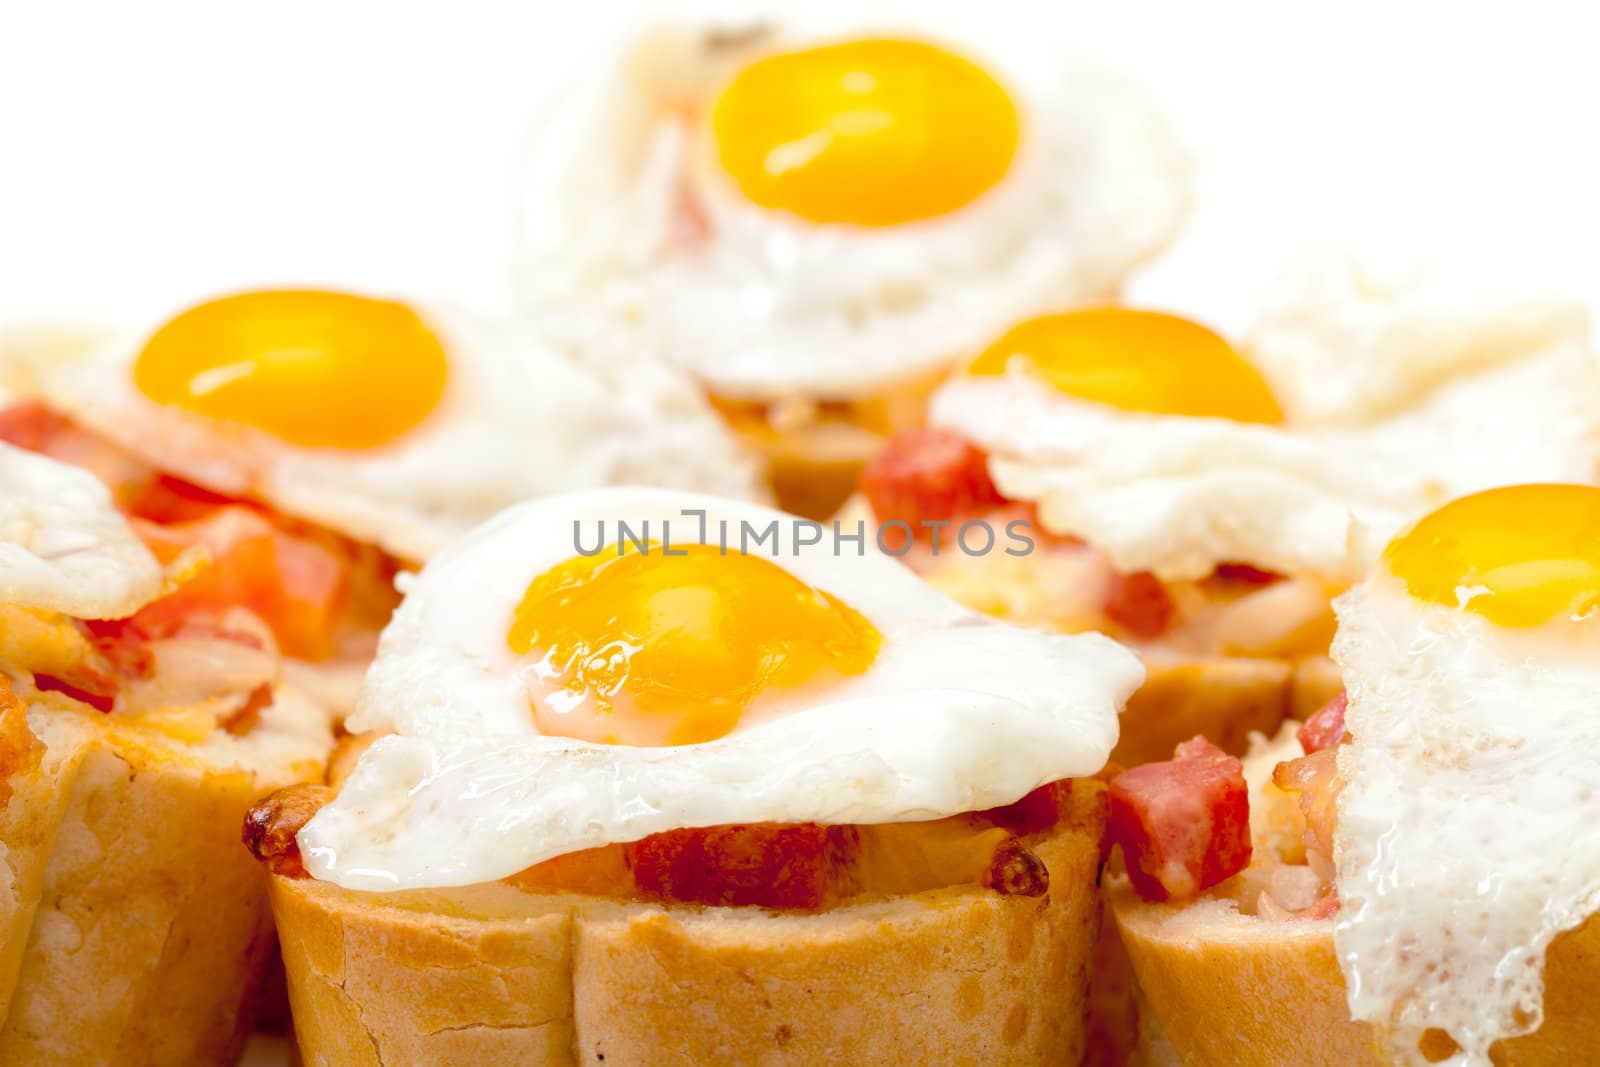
x=313, y=368
x=646, y=648
x=1520, y=556
x=1137, y=361
x=870, y=132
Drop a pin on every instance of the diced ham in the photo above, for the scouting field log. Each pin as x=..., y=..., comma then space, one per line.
x=1036, y=812
x=1184, y=825
x=1246, y=574
x=1325, y=728
x=770, y=865
x=929, y=476
x=1139, y=604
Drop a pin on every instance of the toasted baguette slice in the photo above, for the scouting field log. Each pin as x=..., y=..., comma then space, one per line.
x=491, y=975
x=134, y=927
x=1222, y=988
x=1217, y=985
x=1225, y=699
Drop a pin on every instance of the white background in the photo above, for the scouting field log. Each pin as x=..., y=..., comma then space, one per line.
x=154, y=153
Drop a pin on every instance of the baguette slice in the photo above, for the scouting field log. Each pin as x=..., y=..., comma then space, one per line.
x=491, y=975
x=134, y=927
x=1223, y=988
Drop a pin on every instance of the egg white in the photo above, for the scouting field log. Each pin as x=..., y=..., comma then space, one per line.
x=772, y=306
x=1345, y=342
x=64, y=547
x=523, y=415
x=1465, y=841
x=1496, y=396
x=958, y=713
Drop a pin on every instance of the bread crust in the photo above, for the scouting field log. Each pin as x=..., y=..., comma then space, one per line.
x=133, y=925
x=490, y=975
x=1230, y=990
x=815, y=468
x=1223, y=698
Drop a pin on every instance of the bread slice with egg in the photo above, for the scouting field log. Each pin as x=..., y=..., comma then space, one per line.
x=134, y=929
x=491, y=974
x=1222, y=697
x=1225, y=988
x=1220, y=986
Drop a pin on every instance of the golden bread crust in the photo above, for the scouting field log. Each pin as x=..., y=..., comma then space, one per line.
x=491, y=975
x=1316, y=681
x=1230, y=990
x=816, y=468
x=133, y=924
x=1223, y=698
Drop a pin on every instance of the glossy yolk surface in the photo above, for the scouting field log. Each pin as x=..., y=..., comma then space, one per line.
x=313, y=368
x=1144, y=361
x=653, y=649
x=1520, y=556
x=871, y=132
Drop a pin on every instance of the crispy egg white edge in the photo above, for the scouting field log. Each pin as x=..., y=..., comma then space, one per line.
x=522, y=416
x=64, y=547
x=1344, y=341
x=866, y=318
x=1461, y=844
x=1179, y=495
x=958, y=713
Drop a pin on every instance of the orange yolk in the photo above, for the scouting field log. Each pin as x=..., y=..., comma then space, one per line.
x=1520, y=556
x=316, y=369
x=653, y=649
x=1137, y=361
x=872, y=132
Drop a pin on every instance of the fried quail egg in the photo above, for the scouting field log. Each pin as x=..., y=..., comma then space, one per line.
x=1173, y=451
x=397, y=424
x=1464, y=842
x=64, y=547
x=553, y=683
x=825, y=209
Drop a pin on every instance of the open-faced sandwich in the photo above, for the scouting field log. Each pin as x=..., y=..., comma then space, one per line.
x=1132, y=472
x=133, y=929
x=1422, y=873
x=315, y=442
x=640, y=798
x=818, y=217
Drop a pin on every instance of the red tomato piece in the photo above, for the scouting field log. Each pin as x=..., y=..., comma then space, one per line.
x=1325, y=728
x=1184, y=824
x=1139, y=604
x=294, y=584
